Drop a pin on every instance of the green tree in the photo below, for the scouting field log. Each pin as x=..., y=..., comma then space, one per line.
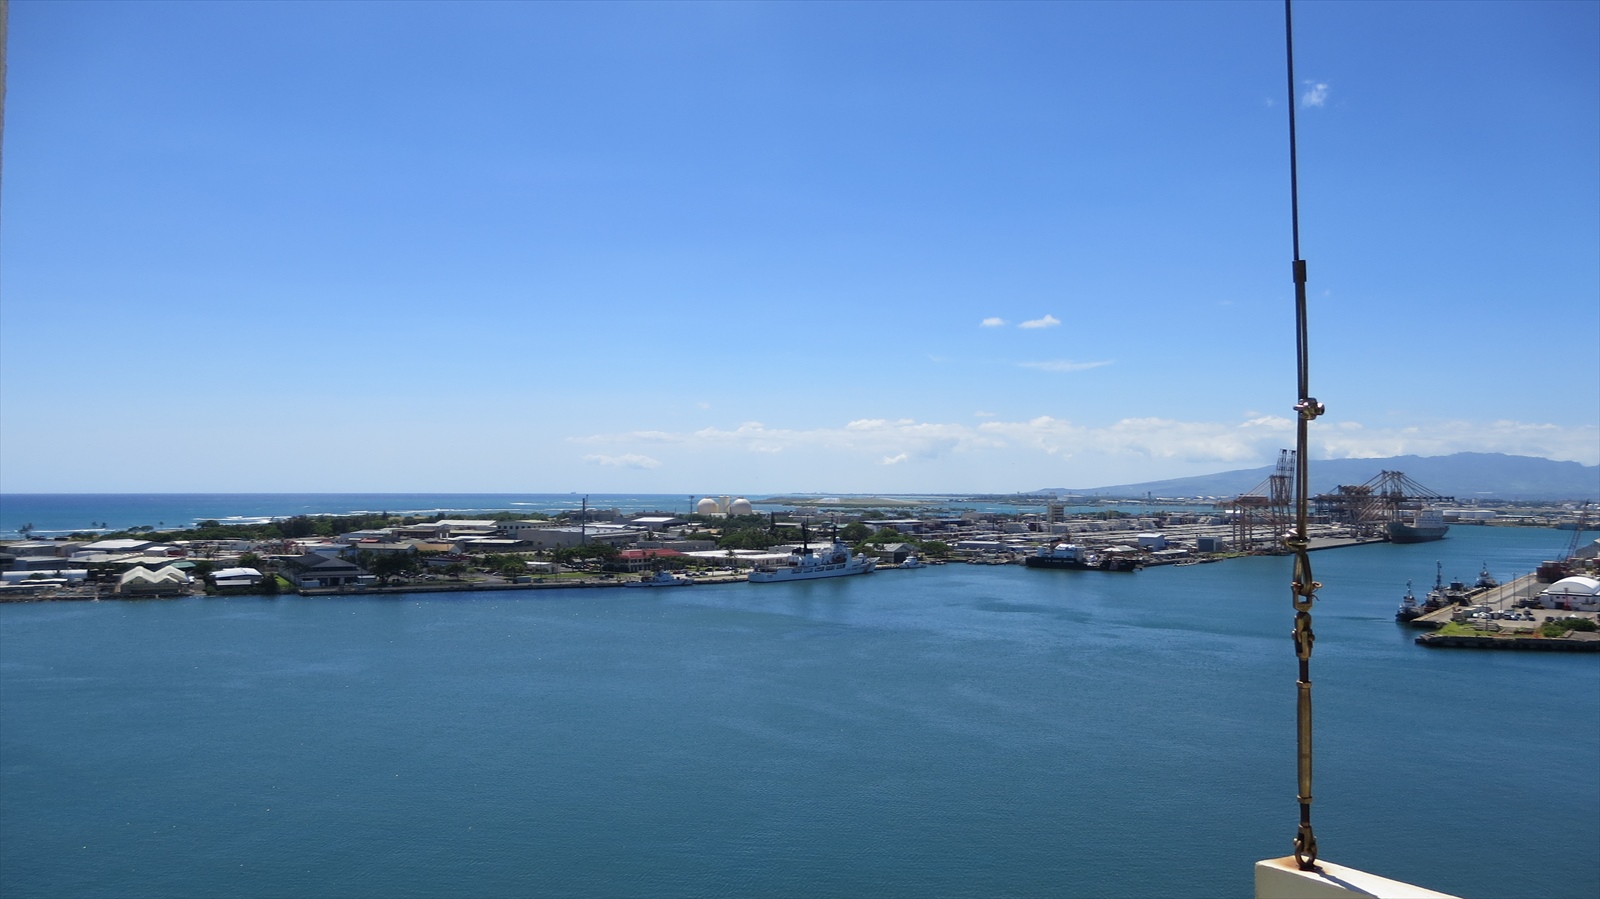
x=747, y=538
x=391, y=565
x=855, y=532
x=602, y=552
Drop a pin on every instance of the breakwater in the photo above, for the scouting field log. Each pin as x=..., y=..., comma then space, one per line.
x=1575, y=643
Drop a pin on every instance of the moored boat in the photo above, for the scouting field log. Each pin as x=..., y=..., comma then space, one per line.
x=804, y=564
x=1423, y=526
x=662, y=579
x=1070, y=556
x=1121, y=563
x=1485, y=579
x=1409, y=610
x=1073, y=557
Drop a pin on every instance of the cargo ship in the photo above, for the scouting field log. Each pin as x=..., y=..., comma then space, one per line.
x=1424, y=525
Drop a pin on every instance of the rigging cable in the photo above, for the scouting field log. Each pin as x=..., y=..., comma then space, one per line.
x=1304, y=588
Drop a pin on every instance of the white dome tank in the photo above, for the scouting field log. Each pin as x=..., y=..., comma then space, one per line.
x=707, y=506
x=741, y=506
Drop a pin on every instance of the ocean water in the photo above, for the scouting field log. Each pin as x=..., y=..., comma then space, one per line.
x=956, y=731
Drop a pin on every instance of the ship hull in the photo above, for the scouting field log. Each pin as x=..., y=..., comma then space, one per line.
x=1067, y=564
x=789, y=574
x=1125, y=565
x=1400, y=532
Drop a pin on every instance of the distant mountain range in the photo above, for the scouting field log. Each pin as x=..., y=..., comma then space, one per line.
x=1466, y=476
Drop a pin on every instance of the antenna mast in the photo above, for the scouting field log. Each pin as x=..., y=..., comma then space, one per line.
x=1303, y=587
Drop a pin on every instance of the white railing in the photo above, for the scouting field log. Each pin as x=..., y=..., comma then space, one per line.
x=1281, y=878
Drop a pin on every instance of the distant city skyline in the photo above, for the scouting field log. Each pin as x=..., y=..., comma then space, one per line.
x=792, y=247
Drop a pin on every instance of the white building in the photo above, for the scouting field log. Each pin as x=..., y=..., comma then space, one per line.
x=236, y=577
x=1578, y=593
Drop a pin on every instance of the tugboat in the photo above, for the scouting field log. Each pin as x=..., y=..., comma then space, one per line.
x=1441, y=596
x=1409, y=610
x=1485, y=579
x=662, y=578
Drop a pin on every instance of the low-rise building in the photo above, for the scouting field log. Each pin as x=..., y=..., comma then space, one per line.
x=236, y=578
x=29, y=549
x=895, y=553
x=561, y=537
x=657, y=522
x=641, y=559
x=69, y=576
x=141, y=581
x=741, y=558
x=317, y=570
x=1577, y=593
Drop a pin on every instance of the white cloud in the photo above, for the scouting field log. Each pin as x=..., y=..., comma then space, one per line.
x=1135, y=448
x=1049, y=321
x=992, y=322
x=1354, y=441
x=1062, y=365
x=982, y=414
x=627, y=460
x=1315, y=95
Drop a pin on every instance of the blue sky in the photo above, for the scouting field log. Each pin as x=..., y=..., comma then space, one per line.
x=785, y=247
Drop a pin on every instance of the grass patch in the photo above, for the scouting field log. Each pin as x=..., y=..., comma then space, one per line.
x=1561, y=627
x=1460, y=629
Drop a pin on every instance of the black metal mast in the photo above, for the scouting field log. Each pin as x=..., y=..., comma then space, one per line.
x=1304, y=587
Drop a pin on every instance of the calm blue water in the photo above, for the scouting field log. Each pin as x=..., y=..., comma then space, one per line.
x=958, y=731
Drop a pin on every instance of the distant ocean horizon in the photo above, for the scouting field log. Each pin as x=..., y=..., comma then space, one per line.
x=59, y=514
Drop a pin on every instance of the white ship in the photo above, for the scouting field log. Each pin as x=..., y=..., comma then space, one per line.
x=804, y=564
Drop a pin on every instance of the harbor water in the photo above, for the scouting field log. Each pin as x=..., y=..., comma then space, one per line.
x=955, y=731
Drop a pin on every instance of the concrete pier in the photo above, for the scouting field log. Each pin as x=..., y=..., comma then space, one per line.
x=1500, y=599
